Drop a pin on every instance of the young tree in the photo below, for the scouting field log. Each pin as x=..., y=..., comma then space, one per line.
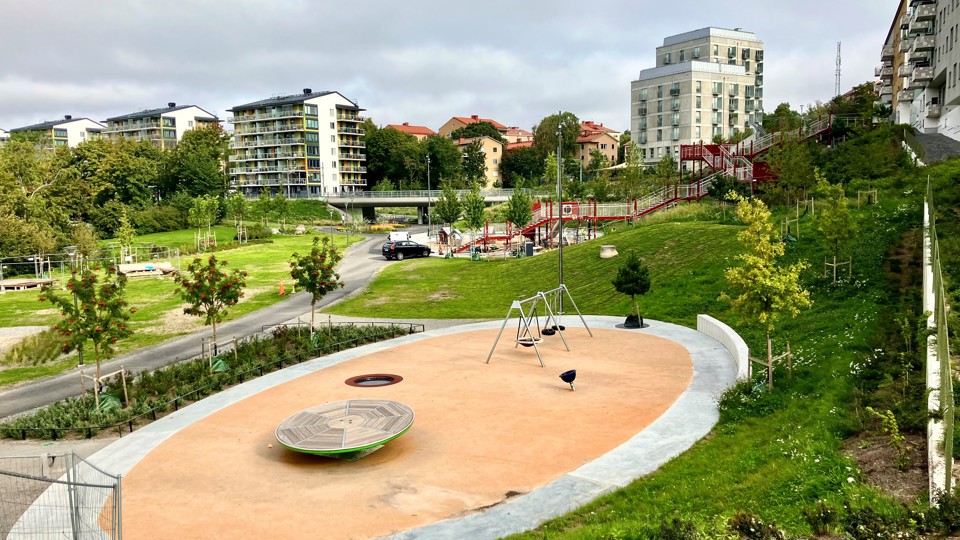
x=833, y=218
x=448, y=207
x=263, y=205
x=633, y=278
x=666, y=172
x=209, y=290
x=281, y=207
x=764, y=290
x=125, y=235
x=474, y=162
x=94, y=310
x=793, y=166
x=519, y=210
x=473, y=208
x=236, y=206
x=314, y=272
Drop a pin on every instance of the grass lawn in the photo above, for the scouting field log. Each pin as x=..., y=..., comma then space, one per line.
x=159, y=315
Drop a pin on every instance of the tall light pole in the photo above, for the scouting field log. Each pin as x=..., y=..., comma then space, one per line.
x=428, y=197
x=560, y=207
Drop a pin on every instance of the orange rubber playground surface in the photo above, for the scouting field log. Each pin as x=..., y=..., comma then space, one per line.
x=483, y=433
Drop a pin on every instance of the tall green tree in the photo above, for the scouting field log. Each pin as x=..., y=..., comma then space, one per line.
x=783, y=118
x=545, y=134
x=763, y=290
x=195, y=164
x=392, y=155
x=474, y=162
x=477, y=129
x=209, y=290
x=521, y=167
x=125, y=235
x=666, y=172
x=833, y=218
x=793, y=166
x=95, y=310
x=444, y=159
x=315, y=272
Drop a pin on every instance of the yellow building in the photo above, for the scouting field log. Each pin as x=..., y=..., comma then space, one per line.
x=493, y=156
x=458, y=122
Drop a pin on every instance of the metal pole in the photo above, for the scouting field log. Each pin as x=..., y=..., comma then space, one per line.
x=428, y=198
x=560, y=203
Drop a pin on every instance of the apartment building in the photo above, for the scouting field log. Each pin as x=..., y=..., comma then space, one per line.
x=493, y=155
x=4, y=136
x=919, y=70
x=707, y=84
x=458, y=122
x=162, y=127
x=302, y=145
x=420, y=132
x=515, y=134
x=67, y=132
x=597, y=137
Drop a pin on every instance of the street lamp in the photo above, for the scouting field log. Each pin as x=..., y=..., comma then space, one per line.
x=428, y=197
x=560, y=210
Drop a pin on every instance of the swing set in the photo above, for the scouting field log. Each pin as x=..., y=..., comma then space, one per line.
x=529, y=332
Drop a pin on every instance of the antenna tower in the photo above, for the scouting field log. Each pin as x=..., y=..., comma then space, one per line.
x=836, y=91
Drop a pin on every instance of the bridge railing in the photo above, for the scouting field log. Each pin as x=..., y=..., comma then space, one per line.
x=414, y=194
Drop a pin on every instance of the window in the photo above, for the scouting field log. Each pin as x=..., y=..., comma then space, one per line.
x=659, y=120
x=494, y=149
x=169, y=134
x=666, y=58
x=59, y=143
x=494, y=161
x=696, y=132
x=734, y=89
x=696, y=53
x=659, y=92
x=312, y=124
x=659, y=106
x=698, y=102
x=731, y=52
x=717, y=88
x=675, y=134
x=61, y=133
x=313, y=150
x=189, y=123
x=734, y=104
x=333, y=138
x=310, y=109
x=659, y=134
x=758, y=56
x=675, y=89
x=603, y=146
x=746, y=64
x=676, y=119
x=333, y=125
x=643, y=123
x=696, y=117
x=682, y=56
x=643, y=94
x=167, y=122
x=760, y=67
x=313, y=163
x=675, y=104
x=717, y=103
x=333, y=112
x=759, y=80
x=698, y=86
x=313, y=137
x=716, y=50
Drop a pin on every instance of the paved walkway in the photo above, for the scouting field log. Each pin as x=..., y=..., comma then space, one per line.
x=690, y=417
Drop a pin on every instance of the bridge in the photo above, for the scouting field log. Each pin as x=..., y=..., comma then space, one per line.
x=421, y=199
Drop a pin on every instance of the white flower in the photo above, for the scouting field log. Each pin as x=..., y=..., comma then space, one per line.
x=850, y=479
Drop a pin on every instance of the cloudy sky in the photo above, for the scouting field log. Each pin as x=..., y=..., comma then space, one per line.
x=420, y=61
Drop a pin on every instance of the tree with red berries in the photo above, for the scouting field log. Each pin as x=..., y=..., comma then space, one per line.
x=94, y=310
x=210, y=290
x=314, y=272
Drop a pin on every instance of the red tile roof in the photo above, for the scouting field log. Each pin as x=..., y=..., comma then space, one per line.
x=515, y=131
x=413, y=130
x=590, y=126
x=520, y=144
x=473, y=119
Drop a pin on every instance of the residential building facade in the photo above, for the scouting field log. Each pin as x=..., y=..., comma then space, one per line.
x=493, y=153
x=458, y=122
x=67, y=132
x=420, y=132
x=597, y=137
x=302, y=145
x=515, y=134
x=707, y=84
x=162, y=127
x=919, y=71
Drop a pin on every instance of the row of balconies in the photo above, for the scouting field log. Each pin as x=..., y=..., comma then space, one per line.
x=133, y=126
x=359, y=157
x=267, y=169
x=352, y=144
x=270, y=181
x=350, y=117
x=350, y=130
x=249, y=130
x=266, y=116
x=261, y=157
x=274, y=141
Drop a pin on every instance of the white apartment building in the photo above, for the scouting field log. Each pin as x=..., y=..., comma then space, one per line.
x=302, y=145
x=707, y=83
x=162, y=127
x=921, y=66
x=67, y=132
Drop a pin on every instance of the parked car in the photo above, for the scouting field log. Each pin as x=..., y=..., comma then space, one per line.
x=404, y=248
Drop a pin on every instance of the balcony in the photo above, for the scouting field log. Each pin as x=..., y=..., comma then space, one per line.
x=349, y=130
x=886, y=74
x=905, y=44
x=350, y=117
x=886, y=90
x=642, y=111
x=674, y=91
x=353, y=144
x=886, y=54
x=732, y=119
x=905, y=96
x=921, y=44
x=905, y=71
x=921, y=27
x=265, y=116
x=923, y=74
x=268, y=142
x=924, y=12
x=912, y=84
x=933, y=111
x=359, y=157
x=347, y=168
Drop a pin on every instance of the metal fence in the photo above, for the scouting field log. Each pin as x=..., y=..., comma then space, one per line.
x=939, y=353
x=58, y=496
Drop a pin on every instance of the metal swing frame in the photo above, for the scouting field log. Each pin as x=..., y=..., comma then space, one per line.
x=524, y=331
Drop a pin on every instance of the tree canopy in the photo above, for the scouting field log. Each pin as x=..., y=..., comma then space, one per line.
x=477, y=129
x=545, y=134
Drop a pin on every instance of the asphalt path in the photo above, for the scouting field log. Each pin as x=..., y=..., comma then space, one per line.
x=359, y=265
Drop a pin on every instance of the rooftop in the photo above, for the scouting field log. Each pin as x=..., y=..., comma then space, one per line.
x=286, y=100
x=710, y=31
x=50, y=124
x=412, y=130
x=473, y=119
x=153, y=113
x=692, y=66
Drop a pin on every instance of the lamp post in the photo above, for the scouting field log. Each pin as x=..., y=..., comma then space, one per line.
x=428, y=198
x=560, y=208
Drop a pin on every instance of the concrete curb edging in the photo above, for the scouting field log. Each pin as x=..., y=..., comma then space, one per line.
x=730, y=339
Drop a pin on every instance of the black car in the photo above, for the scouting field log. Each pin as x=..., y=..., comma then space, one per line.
x=402, y=249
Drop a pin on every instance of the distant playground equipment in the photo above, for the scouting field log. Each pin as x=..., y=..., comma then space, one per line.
x=529, y=332
x=349, y=429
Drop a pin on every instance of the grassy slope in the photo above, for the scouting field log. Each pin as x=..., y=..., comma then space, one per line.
x=158, y=316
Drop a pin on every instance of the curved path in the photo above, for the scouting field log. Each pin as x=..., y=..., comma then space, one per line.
x=682, y=420
x=360, y=264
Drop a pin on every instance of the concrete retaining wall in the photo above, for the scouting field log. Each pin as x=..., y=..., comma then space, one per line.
x=730, y=340
x=936, y=461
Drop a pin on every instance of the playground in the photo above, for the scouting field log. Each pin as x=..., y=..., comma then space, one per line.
x=487, y=436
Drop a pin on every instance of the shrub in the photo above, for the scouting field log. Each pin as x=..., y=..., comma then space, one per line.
x=677, y=529
x=751, y=527
x=256, y=233
x=34, y=350
x=157, y=219
x=821, y=518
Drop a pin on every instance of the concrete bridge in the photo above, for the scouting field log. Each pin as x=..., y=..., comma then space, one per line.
x=420, y=199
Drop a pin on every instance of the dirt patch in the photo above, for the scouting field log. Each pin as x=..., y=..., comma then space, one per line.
x=876, y=460
x=174, y=321
x=443, y=294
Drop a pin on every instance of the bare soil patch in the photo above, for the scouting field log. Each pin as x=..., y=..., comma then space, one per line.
x=877, y=462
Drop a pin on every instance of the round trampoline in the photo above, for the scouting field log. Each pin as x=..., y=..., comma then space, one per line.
x=342, y=427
